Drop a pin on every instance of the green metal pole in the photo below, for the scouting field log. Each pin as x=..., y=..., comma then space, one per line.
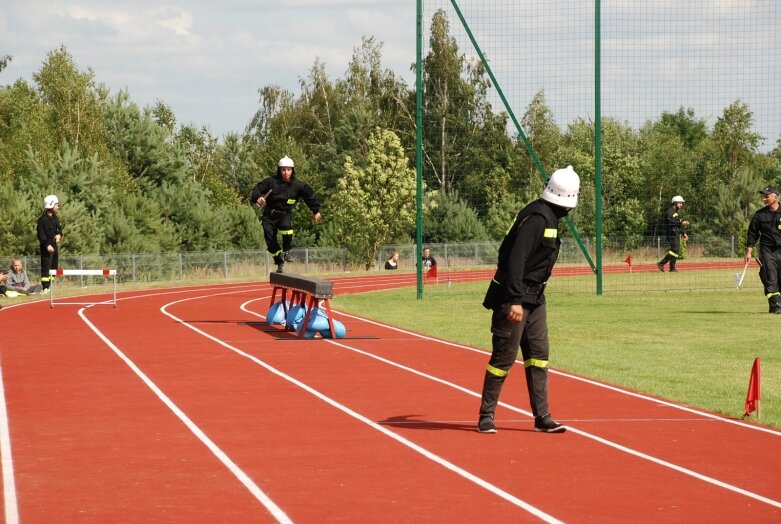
x=419, y=144
x=598, y=140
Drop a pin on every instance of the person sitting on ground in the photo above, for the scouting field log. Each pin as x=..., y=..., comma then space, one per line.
x=18, y=280
x=3, y=279
x=393, y=261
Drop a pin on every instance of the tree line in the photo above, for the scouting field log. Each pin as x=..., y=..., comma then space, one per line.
x=133, y=179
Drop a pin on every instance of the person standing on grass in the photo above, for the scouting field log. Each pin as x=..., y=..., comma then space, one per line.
x=765, y=227
x=277, y=195
x=516, y=295
x=49, y=236
x=429, y=262
x=674, y=230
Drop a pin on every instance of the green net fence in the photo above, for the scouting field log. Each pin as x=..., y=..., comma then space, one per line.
x=688, y=98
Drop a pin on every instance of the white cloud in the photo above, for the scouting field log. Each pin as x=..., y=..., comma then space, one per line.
x=207, y=59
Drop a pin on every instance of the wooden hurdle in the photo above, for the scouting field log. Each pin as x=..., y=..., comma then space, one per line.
x=82, y=272
x=304, y=291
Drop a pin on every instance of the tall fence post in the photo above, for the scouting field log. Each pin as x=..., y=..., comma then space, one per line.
x=81, y=266
x=133, y=265
x=225, y=263
x=181, y=267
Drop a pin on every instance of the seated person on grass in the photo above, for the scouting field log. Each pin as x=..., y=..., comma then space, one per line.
x=18, y=282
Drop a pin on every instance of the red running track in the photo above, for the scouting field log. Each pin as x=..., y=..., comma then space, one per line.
x=183, y=406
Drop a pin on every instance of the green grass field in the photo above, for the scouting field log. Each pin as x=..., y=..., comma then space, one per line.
x=694, y=347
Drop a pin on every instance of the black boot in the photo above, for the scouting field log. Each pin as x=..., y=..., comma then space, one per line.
x=775, y=304
x=672, y=266
x=492, y=386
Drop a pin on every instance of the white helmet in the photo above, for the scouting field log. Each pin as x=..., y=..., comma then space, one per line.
x=563, y=188
x=50, y=201
x=286, y=161
x=677, y=198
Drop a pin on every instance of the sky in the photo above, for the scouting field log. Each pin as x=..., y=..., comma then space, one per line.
x=207, y=59
x=204, y=59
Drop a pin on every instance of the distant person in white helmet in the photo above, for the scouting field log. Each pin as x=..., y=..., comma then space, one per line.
x=516, y=295
x=765, y=228
x=49, y=236
x=277, y=195
x=673, y=230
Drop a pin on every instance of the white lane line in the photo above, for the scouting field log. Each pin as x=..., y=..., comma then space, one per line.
x=575, y=377
x=603, y=441
x=344, y=409
x=10, y=502
x=582, y=433
x=9, y=484
x=258, y=493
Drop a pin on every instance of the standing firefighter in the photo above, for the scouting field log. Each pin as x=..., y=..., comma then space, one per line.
x=673, y=230
x=517, y=297
x=765, y=226
x=49, y=236
x=277, y=195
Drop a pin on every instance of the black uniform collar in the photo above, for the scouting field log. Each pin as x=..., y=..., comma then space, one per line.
x=559, y=211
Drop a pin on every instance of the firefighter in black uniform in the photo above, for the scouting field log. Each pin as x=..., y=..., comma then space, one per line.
x=279, y=195
x=673, y=229
x=49, y=236
x=765, y=226
x=516, y=296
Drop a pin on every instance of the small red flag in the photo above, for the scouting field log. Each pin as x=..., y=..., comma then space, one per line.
x=754, y=390
x=628, y=260
x=432, y=273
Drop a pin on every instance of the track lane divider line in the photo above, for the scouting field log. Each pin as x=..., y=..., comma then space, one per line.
x=344, y=409
x=242, y=477
x=575, y=377
x=9, y=483
x=614, y=445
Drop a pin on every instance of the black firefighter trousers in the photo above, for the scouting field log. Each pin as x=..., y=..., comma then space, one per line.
x=277, y=222
x=531, y=335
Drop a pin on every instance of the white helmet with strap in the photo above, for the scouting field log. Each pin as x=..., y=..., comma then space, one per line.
x=50, y=201
x=563, y=188
x=286, y=161
x=677, y=198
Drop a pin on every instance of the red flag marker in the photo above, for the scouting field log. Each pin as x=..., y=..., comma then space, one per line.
x=754, y=390
x=628, y=260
